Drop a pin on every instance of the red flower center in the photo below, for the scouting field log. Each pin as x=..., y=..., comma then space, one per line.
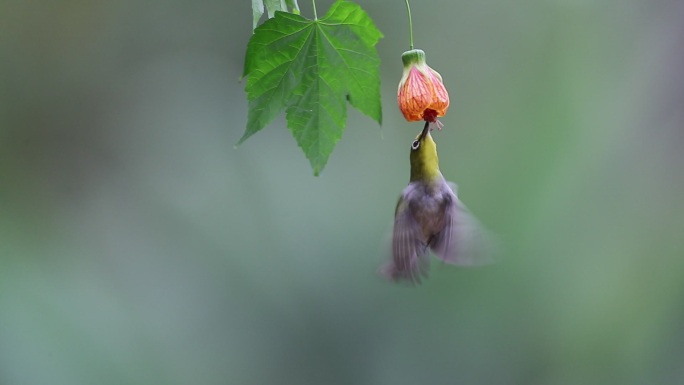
x=430, y=115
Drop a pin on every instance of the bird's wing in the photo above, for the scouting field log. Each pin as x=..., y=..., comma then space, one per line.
x=409, y=255
x=463, y=241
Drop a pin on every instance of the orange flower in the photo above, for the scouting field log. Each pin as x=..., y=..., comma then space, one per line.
x=421, y=94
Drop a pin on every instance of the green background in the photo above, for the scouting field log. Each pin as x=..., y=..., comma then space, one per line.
x=138, y=246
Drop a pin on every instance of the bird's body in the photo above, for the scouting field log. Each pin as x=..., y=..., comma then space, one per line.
x=429, y=215
x=427, y=204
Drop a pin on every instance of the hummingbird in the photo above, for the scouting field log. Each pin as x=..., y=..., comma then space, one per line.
x=429, y=216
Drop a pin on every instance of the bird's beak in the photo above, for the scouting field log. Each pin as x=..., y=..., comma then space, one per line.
x=425, y=131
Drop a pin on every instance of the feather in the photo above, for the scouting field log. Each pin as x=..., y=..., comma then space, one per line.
x=463, y=240
x=409, y=254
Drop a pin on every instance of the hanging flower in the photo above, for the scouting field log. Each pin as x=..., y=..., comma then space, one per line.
x=421, y=94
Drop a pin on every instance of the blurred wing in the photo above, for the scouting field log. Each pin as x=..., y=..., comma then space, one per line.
x=463, y=241
x=409, y=255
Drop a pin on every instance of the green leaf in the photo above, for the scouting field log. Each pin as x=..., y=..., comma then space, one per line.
x=257, y=11
x=275, y=5
x=271, y=7
x=310, y=69
x=293, y=4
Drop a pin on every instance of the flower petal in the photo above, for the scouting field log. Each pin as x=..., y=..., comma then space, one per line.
x=415, y=95
x=440, y=101
x=421, y=89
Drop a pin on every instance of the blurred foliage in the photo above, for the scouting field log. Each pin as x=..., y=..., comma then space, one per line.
x=137, y=246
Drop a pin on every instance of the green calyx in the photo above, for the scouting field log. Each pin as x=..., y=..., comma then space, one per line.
x=413, y=57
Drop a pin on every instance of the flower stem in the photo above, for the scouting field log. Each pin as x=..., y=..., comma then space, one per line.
x=408, y=9
x=314, y=9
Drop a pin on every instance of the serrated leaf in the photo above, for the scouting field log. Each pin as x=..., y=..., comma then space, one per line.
x=310, y=68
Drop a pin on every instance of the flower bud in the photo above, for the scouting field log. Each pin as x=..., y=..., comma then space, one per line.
x=421, y=94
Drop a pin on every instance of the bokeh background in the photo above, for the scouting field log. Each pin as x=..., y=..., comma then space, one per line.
x=138, y=246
